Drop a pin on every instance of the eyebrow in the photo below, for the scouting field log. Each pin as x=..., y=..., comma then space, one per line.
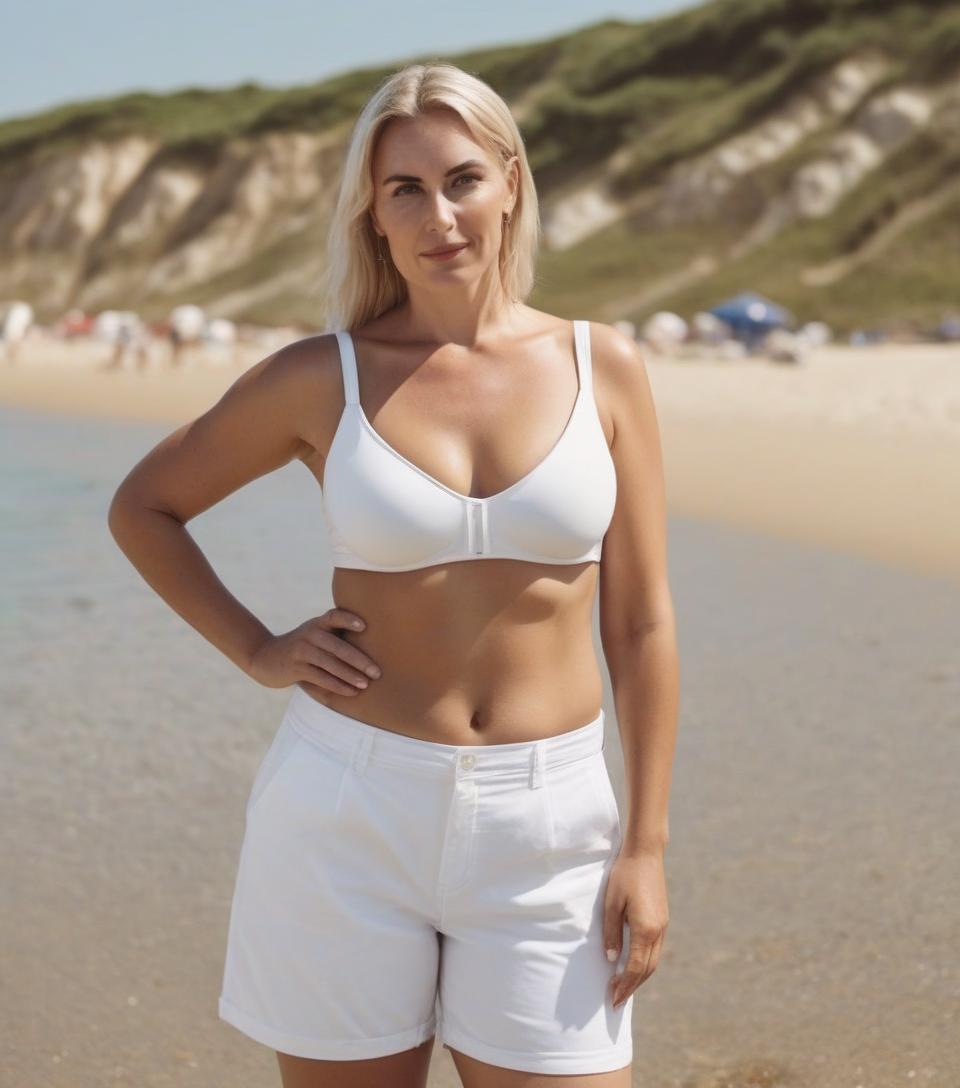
x=452, y=170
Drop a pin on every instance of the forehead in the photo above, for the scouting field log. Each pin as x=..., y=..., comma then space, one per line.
x=433, y=142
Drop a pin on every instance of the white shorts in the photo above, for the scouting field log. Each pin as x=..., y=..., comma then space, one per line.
x=390, y=889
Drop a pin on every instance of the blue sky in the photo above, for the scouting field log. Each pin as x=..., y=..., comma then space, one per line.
x=62, y=51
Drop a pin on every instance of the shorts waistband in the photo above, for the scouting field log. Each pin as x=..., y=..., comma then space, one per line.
x=361, y=741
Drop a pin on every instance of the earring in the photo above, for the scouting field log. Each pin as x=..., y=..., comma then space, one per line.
x=506, y=219
x=380, y=255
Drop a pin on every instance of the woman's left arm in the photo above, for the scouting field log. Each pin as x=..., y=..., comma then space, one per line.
x=638, y=632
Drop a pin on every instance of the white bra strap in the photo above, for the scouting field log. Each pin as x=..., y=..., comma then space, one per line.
x=584, y=359
x=348, y=367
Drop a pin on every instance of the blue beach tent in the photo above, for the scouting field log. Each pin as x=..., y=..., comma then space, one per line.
x=751, y=316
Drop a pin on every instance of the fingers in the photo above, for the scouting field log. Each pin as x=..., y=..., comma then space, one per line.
x=347, y=652
x=644, y=948
x=321, y=635
x=330, y=658
x=327, y=681
x=340, y=617
x=641, y=963
x=613, y=927
x=323, y=683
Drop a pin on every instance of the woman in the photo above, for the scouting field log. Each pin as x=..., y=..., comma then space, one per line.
x=432, y=841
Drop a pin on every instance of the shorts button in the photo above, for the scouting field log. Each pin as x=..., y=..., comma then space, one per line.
x=468, y=760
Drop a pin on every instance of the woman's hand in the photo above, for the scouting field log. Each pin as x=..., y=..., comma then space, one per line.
x=312, y=654
x=636, y=893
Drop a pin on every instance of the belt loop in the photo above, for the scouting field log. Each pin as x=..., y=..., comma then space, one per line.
x=361, y=752
x=536, y=766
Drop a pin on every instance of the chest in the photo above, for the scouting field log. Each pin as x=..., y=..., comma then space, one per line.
x=474, y=426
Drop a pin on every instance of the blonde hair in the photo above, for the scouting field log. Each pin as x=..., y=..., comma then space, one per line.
x=356, y=287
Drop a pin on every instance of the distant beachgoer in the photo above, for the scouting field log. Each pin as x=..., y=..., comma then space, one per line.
x=129, y=336
x=119, y=353
x=176, y=344
x=16, y=319
x=187, y=323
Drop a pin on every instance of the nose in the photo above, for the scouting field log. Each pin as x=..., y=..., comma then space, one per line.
x=440, y=215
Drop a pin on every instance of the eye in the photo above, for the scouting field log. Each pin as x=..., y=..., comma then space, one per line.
x=412, y=185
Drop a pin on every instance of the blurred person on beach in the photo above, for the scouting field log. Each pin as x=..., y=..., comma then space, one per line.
x=176, y=345
x=16, y=320
x=434, y=818
x=185, y=328
x=131, y=341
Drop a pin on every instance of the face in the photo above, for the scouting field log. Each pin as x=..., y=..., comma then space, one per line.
x=434, y=187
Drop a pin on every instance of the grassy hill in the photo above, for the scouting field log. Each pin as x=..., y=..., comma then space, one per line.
x=805, y=148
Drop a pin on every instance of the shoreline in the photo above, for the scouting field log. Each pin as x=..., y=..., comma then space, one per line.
x=856, y=450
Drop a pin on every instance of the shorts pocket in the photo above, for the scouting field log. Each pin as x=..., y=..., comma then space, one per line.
x=606, y=788
x=302, y=785
x=281, y=748
x=582, y=818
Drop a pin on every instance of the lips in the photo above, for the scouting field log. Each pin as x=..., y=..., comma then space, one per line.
x=445, y=251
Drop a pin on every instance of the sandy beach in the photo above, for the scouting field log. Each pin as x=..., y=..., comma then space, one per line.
x=811, y=873
x=856, y=449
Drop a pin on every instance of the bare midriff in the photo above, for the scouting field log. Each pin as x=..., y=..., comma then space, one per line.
x=480, y=651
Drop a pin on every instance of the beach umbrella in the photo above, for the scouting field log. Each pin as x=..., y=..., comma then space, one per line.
x=188, y=320
x=709, y=328
x=221, y=330
x=816, y=333
x=665, y=330
x=17, y=318
x=751, y=316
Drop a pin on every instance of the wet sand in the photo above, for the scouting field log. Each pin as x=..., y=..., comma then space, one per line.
x=814, y=932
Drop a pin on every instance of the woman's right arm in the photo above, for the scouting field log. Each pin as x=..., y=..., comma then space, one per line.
x=256, y=427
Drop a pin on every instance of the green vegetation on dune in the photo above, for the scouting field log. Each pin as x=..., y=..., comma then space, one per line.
x=707, y=50
x=655, y=95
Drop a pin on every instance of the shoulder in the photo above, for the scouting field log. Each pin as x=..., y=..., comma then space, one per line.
x=301, y=381
x=617, y=358
x=621, y=380
x=302, y=370
x=310, y=359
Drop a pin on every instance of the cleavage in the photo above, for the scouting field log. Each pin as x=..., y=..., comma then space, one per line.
x=462, y=407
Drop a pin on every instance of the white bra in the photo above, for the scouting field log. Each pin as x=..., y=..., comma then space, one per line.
x=382, y=512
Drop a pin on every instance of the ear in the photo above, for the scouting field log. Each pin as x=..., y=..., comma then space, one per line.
x=513, y=180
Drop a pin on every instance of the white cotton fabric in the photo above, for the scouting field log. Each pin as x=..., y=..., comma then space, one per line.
x=390, y=889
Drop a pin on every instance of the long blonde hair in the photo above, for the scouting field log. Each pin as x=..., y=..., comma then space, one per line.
x=355, y=287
